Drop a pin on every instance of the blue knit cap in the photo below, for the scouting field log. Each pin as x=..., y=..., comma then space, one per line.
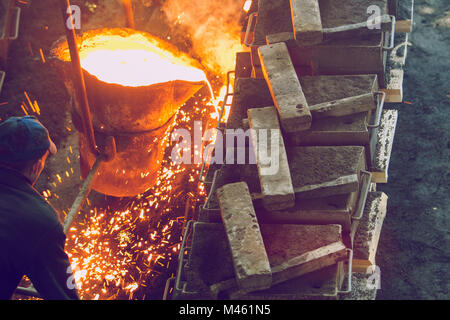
x=23, y=139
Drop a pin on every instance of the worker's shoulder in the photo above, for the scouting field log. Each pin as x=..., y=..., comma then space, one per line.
x=27, y=207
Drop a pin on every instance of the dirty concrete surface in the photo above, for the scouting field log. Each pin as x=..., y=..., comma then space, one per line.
x=414, y=249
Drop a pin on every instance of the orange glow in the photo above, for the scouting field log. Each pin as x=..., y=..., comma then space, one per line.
x=227, y=104
x=133, y=58
x=136, y=68
x=247, y=5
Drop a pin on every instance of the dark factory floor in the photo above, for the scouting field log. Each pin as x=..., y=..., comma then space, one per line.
x=413, y=253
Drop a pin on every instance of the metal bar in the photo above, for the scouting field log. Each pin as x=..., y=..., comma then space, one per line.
x=218, y=127
x=392, y=34
x=211, y=190
x=379, y=110
x=349, y=280
x=82, y=195
x=17, y=24
x=249, y=26
x=78, y=74
x=363, y=195
x=184, y=251
x=169, y=284
x=358, y=26
x=129, y=13
x=183, y=242
x=2, y=79
x=374, y=127
x=227, y=94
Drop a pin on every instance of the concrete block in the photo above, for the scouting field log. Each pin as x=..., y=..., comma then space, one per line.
x=273, y=17
x=364, y=287
x=306, y=20
x=280, y=37
x=273, y=168
x=383, y=150
x=336, y=209
x=368, y=234
x=338, y=19
x=330, y=170
x=285, y=87
x=322, y=284
x=249, y=93
x=333, y=131
x=323, y=88
x=294, y=250
x=249, y=255
x=208, y=264
x=351, y=55
x=344, y=106
x=255, y=93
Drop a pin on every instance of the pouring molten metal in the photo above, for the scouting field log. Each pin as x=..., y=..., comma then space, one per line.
x=135, y=84
x=132, y=58
x=136, y=60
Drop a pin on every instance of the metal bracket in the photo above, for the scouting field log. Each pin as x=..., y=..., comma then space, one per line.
x=379, y=110
x=363, y=195
x=227, y=95
x=374, y=127
x=218, y=127
x=16, y=26
x=182, y=259
x=2, y=79
x=169, y=284
x=249, y=26
x=349, y=280
x=392, y=34
x=211, y=191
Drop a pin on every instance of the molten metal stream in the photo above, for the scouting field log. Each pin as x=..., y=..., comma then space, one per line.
x=136, y=68
x=136, y=61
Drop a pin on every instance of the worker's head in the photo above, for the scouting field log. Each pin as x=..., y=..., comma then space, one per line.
x=25, y=145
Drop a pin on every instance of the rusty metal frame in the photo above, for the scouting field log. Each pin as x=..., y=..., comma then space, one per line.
x=80, y=85
x=379, y=110
x=218, y=127
x=349, y=276
x=365, y=188
x=373, y=128
x=179, y=286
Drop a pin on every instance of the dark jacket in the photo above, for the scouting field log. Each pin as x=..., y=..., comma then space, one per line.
x=31, y=241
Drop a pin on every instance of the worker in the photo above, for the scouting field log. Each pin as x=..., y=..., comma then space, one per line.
x=31, y=236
